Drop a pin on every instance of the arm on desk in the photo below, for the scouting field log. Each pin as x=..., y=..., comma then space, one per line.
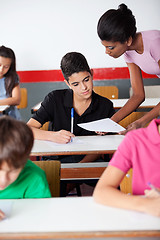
x=61, y=136
x=106, y=193
x=14, y=99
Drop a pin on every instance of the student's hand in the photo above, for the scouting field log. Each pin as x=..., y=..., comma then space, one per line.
x=153, y=206
x=135, y=125
x=2, y=215
x=101, y=133
x=152, y=193
x=62, y=136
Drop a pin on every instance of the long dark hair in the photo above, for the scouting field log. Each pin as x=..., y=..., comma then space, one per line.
x=117, y=25
x=11, y=76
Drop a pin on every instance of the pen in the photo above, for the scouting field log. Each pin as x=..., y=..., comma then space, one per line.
x=72, y=120
x=153, y=187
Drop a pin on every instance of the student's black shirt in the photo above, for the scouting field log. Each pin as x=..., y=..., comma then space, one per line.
x=57, y=105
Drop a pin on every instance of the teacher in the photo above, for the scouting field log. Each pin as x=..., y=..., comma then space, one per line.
x=117, y=31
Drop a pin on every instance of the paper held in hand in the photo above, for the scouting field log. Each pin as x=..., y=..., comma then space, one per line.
x=103, y=125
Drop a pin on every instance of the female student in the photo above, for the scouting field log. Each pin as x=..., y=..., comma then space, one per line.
x=57, y=105
x=117, y=31
x=140, y=150
x=9, y=82
x=19, y=177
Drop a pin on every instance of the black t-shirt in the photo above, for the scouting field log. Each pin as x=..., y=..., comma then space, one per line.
x=57, y=105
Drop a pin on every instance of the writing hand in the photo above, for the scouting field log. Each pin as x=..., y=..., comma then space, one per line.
x=62, y=136
x=153, y=193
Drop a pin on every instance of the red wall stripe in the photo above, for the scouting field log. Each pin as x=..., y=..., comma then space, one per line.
x=56, y=75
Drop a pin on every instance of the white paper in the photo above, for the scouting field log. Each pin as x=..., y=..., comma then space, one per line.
x=103, y=125
x=6, y=207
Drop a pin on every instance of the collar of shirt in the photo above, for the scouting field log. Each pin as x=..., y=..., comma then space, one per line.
x=68, y=101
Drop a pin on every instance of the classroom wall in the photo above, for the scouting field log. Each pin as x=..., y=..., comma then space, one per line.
x=42, y=31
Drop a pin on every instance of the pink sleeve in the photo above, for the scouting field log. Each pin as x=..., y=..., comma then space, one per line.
x=127, y=58
x=122, y=157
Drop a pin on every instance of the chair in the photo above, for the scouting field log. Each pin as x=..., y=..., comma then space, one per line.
x=131, y=118
x=45, y=126
x=78, y=173
x=110, y=92
x=52, y=170
x=126, y=184
x=24, y=99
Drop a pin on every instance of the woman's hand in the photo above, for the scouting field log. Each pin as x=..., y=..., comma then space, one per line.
x=134, y=125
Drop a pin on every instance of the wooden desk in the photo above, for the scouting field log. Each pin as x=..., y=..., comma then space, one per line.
x=82, y=171
x=119, y=103
x=148, y=103
x=73, y=217
x=85, y=145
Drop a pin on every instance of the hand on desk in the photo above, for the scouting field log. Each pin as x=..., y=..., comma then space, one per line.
x=62, y=136
x=2, y=215
x=153, y=193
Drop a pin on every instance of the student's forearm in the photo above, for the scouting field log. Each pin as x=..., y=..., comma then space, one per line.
x=42, y=134
x=128, y=108
x=113, y=197
x=10, y=101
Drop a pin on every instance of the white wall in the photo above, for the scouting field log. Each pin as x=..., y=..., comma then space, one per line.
x=42, y=31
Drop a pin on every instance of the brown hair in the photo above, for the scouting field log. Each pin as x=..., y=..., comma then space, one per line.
x=16, y=141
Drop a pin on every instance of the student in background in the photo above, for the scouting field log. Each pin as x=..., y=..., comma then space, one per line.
x=117, y=31
x=140, y=150
x=19, y=177
x=9, y=82
x=57, y=105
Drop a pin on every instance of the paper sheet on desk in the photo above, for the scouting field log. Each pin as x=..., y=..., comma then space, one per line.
x=6, y=207
x=103, y=125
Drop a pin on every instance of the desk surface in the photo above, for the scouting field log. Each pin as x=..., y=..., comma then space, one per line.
x=74, y=217
x=82, y=145
x=148, y=103
x=118, y=103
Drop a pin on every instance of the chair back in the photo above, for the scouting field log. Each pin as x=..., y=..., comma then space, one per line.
x=52, y=170
x=45, y=126
x=110, y=92
x=24, y=98
x=126, y=184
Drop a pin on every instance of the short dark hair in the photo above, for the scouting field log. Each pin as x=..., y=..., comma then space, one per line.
x=117, y=25
x=16, y=141
x=73, y=62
